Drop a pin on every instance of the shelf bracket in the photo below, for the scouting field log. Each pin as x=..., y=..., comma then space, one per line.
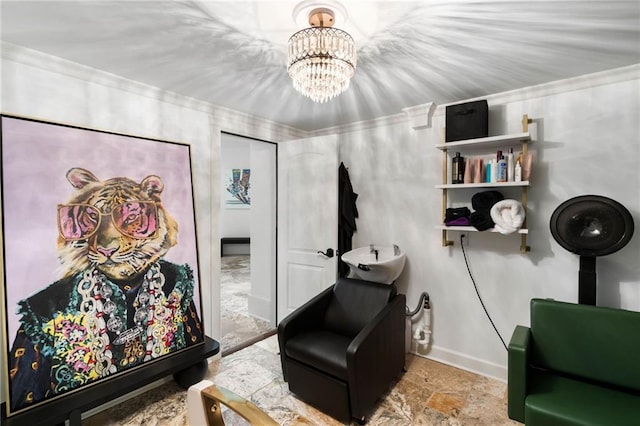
x=525, y=122
x=445, y=173
x=445, y=241
x=524, y=248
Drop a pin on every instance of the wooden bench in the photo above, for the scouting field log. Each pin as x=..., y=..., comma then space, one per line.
x=232, y=240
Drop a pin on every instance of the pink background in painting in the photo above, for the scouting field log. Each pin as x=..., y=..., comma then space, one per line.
x=35, y=159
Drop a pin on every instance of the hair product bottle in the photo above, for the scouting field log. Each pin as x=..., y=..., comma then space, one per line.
x=457, y=169
x=478, y=169
x=527, y=159
x=487, y=176
x=494, y=170
x=501, y=172
x=517, y=175
x=511, y=166
x=468, y=170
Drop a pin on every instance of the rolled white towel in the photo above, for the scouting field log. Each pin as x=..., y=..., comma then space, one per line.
x=508, y=216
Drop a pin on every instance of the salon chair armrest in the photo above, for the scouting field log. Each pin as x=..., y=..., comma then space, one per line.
x=518, y=366
x=307, y=317
x=379, y=347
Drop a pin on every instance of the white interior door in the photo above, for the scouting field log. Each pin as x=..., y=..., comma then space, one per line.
x=307, y=219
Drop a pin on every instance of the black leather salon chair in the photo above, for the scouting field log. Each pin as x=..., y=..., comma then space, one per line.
x=343, y=349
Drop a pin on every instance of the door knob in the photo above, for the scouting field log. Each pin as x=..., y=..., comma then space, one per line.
x=329, y=253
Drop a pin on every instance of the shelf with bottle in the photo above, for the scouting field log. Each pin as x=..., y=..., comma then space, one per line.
x=494, y=170
x=502, y=168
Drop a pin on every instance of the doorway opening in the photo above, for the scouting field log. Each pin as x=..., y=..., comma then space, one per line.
x=248, y=241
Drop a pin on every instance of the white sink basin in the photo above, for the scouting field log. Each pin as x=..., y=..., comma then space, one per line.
x=381, y=264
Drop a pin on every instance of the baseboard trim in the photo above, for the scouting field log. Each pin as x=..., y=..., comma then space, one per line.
x=249, y=342
x=260, y=308
x=464, y=362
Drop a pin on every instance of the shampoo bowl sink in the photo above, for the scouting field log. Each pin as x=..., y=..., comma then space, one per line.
x=381, y=264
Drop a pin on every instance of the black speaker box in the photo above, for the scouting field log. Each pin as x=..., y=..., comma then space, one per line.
x=467, y=121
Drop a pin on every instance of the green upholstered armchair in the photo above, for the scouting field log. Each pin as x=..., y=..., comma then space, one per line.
x=575, y=365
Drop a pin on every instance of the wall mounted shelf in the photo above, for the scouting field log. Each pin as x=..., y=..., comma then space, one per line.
x=481, y=185
x=472, y=229
x=488, y=142
x=485, y=145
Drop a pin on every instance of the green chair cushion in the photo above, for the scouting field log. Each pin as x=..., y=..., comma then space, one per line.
x=557, y=401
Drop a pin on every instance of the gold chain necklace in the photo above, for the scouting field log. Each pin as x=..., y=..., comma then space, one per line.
x=96, y=304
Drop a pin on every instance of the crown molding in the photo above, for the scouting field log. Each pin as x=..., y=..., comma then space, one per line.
x=420, y=115
x=389, y=120
x=586, y=81
x=230, y=119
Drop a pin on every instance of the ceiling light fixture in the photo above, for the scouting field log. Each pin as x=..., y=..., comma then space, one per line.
x=322, y=59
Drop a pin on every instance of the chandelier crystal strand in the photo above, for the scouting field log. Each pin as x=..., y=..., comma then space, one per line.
x=321, y=62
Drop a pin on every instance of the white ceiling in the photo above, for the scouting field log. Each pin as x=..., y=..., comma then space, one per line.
x=233, y=53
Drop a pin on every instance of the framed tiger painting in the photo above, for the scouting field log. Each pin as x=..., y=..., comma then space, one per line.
x=99, y=256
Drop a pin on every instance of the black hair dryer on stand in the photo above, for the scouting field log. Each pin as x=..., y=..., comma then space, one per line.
x=591, y=226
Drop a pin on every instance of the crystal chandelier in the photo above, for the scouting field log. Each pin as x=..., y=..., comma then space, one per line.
x=322, y=59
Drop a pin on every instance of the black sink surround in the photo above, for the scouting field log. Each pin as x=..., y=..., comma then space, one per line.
x=187, y=366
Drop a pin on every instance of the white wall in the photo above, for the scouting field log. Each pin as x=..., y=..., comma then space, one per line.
x=262, y=300
x=586, y=135
x=40, y=86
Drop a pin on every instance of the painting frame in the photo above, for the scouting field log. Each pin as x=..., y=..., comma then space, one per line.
x=46, y=169
x=237, y=188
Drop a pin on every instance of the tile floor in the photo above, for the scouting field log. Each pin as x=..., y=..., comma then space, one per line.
x=429, y=393
x=235, y=285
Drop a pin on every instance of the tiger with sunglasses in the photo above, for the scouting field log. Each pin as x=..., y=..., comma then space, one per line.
x=118, y=303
